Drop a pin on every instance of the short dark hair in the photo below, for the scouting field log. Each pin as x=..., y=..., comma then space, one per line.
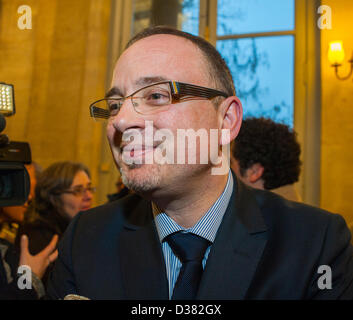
x=274, y=146
x=218, y=69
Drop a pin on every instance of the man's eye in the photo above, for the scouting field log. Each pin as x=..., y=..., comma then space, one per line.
x=157, y=98
x=114, y=107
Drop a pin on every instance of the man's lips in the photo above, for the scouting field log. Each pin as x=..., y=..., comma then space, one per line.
x=135, y=151
x=138, y=145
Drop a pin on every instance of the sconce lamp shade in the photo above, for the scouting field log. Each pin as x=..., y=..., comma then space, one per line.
x=336, y=52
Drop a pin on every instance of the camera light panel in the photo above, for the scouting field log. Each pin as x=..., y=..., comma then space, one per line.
x=7, y=105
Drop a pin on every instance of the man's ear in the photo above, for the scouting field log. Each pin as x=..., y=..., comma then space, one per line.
x=230, y=115
x=255, y=172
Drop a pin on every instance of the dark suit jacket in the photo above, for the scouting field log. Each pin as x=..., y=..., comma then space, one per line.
x=266, y=248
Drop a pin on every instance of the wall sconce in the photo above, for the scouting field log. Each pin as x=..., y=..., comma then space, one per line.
x=336, y=57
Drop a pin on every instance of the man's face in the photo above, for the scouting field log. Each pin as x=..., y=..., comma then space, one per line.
x=150, y=60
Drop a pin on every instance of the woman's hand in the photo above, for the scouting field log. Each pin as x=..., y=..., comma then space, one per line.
x=40, y=261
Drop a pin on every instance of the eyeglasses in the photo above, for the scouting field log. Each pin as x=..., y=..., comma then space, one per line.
x=153, y=98
x=80, y=191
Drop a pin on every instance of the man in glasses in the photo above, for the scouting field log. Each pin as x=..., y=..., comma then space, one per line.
x=191, y=231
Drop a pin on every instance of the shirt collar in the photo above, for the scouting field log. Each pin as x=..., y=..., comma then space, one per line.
x=206, y=227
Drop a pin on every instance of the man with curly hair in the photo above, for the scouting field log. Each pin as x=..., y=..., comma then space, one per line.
x=266, y=156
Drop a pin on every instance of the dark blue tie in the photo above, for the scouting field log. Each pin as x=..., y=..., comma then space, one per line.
x=190, y=249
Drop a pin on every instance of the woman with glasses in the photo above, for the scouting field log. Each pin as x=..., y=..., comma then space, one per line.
x=63, y=190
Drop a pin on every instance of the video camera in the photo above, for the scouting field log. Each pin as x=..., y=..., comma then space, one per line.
x=14, y=178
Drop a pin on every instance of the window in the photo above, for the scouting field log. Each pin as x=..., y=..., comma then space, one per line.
x=261, y=61
x=183, y=14
x=262, y=70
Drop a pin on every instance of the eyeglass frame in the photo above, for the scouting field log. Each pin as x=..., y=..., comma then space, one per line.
x=79, y=193
x=178, y=90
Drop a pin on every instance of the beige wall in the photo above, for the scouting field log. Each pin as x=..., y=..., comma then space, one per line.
x=337, y=116
x=58, y=68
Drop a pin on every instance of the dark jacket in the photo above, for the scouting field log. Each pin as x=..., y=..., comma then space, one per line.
x=117, y=196
x=266, y=248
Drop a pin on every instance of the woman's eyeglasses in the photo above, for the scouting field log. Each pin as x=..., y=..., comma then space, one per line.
x=79, y=191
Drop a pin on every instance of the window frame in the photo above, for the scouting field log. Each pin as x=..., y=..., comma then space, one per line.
x=307, y=84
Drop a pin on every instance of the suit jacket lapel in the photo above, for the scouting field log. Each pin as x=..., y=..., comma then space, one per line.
x=237, y=249
x=142, y=261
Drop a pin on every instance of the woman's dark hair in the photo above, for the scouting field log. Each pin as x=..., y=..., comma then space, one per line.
x=274, y=146
x=218, y=70
x=51, y=183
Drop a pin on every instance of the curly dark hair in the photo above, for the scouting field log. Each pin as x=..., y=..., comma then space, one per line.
x=274, y=146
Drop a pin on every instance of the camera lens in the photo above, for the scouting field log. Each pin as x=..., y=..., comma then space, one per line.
x=5, y=186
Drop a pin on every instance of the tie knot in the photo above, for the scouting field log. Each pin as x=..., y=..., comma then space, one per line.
x=187, y=246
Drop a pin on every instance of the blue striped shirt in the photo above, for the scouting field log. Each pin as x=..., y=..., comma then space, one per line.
x=206, y=227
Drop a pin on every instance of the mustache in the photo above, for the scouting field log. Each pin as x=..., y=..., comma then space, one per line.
x=137, y=139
